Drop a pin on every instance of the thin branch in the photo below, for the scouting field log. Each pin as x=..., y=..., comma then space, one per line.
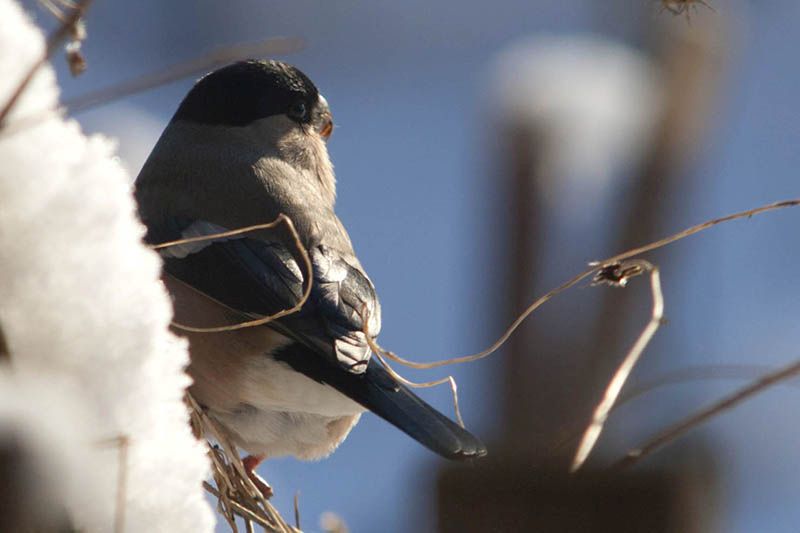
x=748, y=213
x=601, y=412
x=700, y=372
x=122, y=443
x=297, y=509
x=122, y=484
x=64, y=29
x=596, y=267
x=691, y=422
x=421, y=385
x=504, y=337
x=235, y=490
x=240, y=231
x=242, y=511
x=380, y=353
x=616, y=265
x=677, y=7
x=199, y=65
x=693, y=373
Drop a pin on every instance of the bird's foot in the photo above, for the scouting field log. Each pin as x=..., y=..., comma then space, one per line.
x=250, y=463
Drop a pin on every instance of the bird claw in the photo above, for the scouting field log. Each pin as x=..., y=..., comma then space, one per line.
x=250, y=463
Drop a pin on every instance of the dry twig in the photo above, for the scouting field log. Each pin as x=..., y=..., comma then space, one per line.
x=199, y=65
x=615, y=270
x=601, y=412
x=684, y=7
x=693, y=373
x=64, y=30
x=236, y=493
x=682, y=375
x=122, y=443
x=240, y=231
x=596, y=267
x=693, y=421
x=297, y=509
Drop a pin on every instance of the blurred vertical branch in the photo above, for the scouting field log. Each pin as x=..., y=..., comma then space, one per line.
x=523, y=163
x=689, y=73
x=562, y=382
x=4, y=355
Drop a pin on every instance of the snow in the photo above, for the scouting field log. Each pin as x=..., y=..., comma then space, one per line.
x=596, y=101
x=85, y=317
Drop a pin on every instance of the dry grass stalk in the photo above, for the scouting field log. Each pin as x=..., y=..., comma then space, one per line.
x=695, y=373
x=615, y=270
x=677, y=430
x=684, y=7
x=382, y=355
x=67, y=27
x=601, y=412
x=199, y=65
x=196, y=66
x=281, y=219
x=235, y=492
x=122, y=444
x=596, y=266
x=122, y=484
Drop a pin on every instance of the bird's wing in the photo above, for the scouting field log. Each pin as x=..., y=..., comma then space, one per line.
x=259, y=277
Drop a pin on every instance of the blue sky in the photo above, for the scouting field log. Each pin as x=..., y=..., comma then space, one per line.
x=408, y=83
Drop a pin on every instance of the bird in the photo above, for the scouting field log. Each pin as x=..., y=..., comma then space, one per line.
x=247, y=145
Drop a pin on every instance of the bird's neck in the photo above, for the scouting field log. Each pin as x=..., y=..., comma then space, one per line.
x=311, y=154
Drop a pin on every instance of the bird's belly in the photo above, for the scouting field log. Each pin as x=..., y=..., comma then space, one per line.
x=235, y=368
x=268, y=407
x=275, y=433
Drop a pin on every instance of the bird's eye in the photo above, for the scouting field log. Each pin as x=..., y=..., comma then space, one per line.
x=298, y=111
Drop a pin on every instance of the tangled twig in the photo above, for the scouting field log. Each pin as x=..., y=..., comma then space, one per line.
x=596, y=267
x=615, y=270
x=236, y=493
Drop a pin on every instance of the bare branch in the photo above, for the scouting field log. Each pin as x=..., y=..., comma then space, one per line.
x=748, y=213
x=597, y=266
x=236, y=492
x=64, y=30
x=693, y=373
x=601, y=412
x=691, y=422
x=240, y=231
x=380, y=353
x=199, y=65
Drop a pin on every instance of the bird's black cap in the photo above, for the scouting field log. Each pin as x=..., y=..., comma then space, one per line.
x=240, y=93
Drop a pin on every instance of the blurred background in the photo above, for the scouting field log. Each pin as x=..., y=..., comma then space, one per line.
x=485, y=153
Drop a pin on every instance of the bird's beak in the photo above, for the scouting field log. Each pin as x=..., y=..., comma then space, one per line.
x=327, y=127
x=324, y=121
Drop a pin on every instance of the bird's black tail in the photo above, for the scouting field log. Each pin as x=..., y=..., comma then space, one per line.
x=379, y=392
